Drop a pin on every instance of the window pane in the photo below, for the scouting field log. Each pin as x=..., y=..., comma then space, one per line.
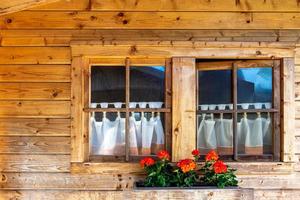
x=108, y=84
x=146, y=133
x=255, y=88
x=147, y=84
x=254, y=133
x=107, y=134
x=215, y=89
x=215, y=133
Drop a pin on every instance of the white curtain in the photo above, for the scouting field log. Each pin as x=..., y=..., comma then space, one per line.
x=146, y=135
x=254, y=135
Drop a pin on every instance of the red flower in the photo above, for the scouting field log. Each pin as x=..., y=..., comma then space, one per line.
x=163, y=155
x=211, y=156
x=186, y=165
x=219, y=167
x=147, y=162
x=196, y=152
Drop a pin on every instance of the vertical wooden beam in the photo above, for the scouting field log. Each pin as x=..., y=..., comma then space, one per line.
x=168, y=104
x=288, y=107
x=276, y=105
x=184, y=107
x=77, y=104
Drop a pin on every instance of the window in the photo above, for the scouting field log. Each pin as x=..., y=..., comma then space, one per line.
x=238, y=109
x=129, y=109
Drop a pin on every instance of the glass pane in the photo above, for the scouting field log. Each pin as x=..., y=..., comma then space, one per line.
x=215, y=90
x=254, y=133
x=147, y=84
x=255, y=88
x=107, y=134
x=146, y=133
x=108, y=84
x=215, y=132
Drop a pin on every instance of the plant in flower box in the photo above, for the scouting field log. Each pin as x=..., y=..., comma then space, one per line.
x=216, y=172
x=186, y=172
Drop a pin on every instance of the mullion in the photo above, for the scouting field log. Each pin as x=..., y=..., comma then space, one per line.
x=127, y=93
x=234, y=121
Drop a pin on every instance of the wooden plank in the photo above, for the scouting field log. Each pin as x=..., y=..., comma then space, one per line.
x=9, y=6
x=64, y=5
x=36, y=41
x=233, y=194
x=77, y=104
x=34, y=163
x=34, y=55
x=34, y=127
x=35, y=145
x=35, y=91
x=32, y=109
x=288, y=102
x=196, y=5
x=35, y=73
x=183, y=107
x=144, y=51
x=149, y=20
x=65, y=181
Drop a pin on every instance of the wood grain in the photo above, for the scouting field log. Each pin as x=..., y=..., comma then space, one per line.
x=35, y=91
x=34, y=163
x=35, y=73
x=34, y=127
x=149, y=20
x=34, y=145
x=31, y=109
x=34, y=55
x=183, y=107
x=196, y=5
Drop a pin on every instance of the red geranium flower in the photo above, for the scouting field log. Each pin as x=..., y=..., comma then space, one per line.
x=211, y=156
x=186, y=165
x=147, y=162
x=163, y=155
x=219, y=167
x=195, y=152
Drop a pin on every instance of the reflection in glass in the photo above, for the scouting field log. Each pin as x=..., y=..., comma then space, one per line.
x=255, y=87
x=215, y=132
x=254, y=133
x=147, y=84
x=107, y=84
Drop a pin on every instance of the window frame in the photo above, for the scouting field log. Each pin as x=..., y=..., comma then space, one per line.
x=83, y=52
x=235, y=65
x=166, y=110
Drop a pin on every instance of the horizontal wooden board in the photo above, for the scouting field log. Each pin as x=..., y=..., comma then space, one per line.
x=35, y=73
x=34, y=127
x=34, y=163
x=35, y=91
x=154, y=34
x=35, y=55
x=34, y=145
x=29, y=109
x=64, y=5
x=199, y=50
x=36, y=41
x=64, y=181
x=196, y=5
x=217, y=194
x=149, y=20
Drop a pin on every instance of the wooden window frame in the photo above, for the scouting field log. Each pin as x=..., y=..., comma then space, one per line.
x=182, y=55
x=233, y=66
x=166, y=110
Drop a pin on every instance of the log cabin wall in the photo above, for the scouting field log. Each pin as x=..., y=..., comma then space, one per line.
x=35, y=73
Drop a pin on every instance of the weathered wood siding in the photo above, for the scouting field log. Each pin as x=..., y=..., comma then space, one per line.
x=35, y=85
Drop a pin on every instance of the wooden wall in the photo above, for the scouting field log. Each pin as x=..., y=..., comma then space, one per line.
x=35, y=84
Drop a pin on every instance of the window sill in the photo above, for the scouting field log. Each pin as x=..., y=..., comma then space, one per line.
x=243, y=168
